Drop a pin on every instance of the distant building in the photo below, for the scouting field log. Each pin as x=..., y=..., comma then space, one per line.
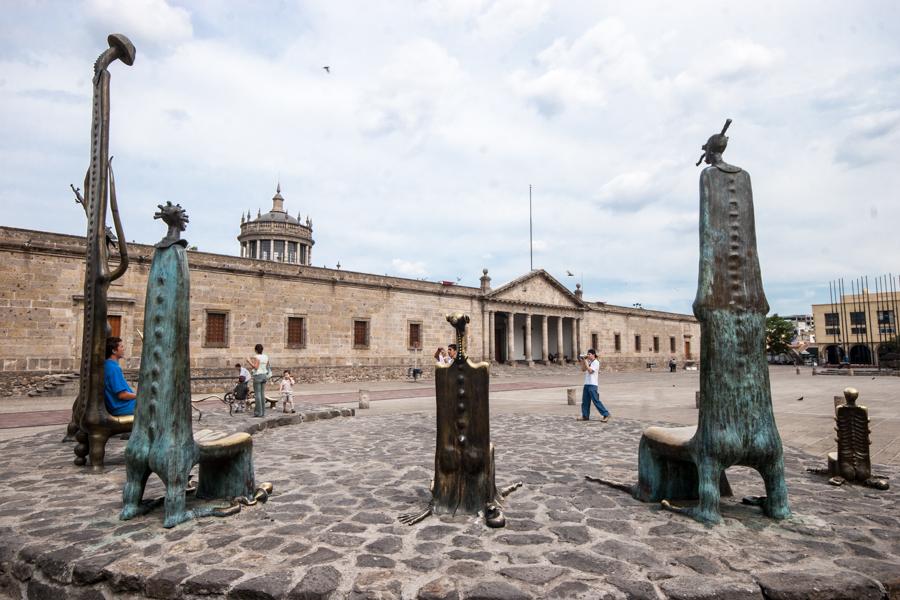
x=276, y=235
x=853, y=328
x=804, y=328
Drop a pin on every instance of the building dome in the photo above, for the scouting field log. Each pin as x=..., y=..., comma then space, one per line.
x=276, y=235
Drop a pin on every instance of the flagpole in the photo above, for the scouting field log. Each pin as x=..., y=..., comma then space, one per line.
x=530, y=231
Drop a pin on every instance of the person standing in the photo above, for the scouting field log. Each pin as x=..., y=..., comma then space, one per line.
x=261, y=372
x=117, y=393
x=287, y=391
x=672, y=365
x=590, y=394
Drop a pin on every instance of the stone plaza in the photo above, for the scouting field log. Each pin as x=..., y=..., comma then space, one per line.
x=330, y=529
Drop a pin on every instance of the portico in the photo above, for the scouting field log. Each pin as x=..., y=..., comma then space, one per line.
x=533, y=319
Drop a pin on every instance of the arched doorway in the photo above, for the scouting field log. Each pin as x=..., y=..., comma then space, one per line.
x=860, y=355
x=834, y=355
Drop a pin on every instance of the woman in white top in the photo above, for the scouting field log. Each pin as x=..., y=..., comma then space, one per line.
x=440, y=357
x=260, y=364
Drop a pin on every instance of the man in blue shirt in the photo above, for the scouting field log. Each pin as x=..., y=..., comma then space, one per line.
x=119, y=395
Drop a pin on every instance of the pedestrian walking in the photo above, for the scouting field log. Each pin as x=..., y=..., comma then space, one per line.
x=590, y=364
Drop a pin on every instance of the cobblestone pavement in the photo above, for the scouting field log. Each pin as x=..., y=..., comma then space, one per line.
x=331, y=531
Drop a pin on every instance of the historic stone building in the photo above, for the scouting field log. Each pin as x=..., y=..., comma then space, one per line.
x=322, y=323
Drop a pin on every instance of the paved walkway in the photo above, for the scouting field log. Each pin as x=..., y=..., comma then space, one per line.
x=330, y=530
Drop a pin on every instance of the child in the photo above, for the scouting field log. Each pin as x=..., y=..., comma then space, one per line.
x=287, y=391
x=240, y=394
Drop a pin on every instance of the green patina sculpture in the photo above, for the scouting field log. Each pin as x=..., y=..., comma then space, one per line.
x=736, y=424
x=90, y=423
x=852, y=461
x=163, y=440
x=464, y=455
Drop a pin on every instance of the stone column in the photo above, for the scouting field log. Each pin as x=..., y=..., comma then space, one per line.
x=577, y=334
x=545, y=348
x=491, y=354
x=559, y=339
x=510, y=337
x=528, y=339
x=484, y=332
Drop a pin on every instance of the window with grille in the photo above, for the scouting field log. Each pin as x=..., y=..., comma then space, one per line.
x=617, y=342
x=672, y=344
x=216, y=329
x=637, y=343
x=296, y=332
x=360, y=334
x=656, y=343
x=415, y=335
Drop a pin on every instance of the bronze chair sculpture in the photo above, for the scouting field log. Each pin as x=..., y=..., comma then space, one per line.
x=464, y=455
x=852, y=462
x=91, y=423
x=736, y=424
x=163, y=440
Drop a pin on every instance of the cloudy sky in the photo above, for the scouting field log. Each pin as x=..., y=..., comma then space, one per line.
x=413, y=156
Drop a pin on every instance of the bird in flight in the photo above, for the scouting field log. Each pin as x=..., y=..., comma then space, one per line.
x=327, y=69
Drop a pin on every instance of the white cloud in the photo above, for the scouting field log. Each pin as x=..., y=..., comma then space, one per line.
x=153, y=22
x=409, y=268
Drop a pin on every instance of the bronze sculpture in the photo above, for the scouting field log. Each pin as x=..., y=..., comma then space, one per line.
x=464, y=455
x=736, y=424
x=851, y=462
x=90, y=422
x=163, y=440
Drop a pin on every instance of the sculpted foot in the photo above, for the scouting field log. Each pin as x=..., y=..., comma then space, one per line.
x=510, y=489
x=493, y=516
x=413, y=518
x=694, y=512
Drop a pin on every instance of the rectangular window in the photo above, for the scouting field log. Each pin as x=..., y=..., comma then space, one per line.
x=656, y=343
x=360, y=333
x=296, y=332
x=858, y=322
x=832, y=324
x=292, y=252
x=216, y=329
x=617, y=342
x=595, y=342
x=637, y=343
x=672, y=344
x=251, y=250
x=415, y=336
x=115, y=325
x=687, y=349
x=886, y=322
x=265, y=249
x=278, y=250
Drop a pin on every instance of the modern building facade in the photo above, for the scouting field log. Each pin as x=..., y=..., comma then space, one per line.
x=855, y=328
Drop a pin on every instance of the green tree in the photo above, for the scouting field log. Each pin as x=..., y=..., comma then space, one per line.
x=779, y=333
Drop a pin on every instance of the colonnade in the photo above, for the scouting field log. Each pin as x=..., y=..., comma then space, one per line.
x=565, y=332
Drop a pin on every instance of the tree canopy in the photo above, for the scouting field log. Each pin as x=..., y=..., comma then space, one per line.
x=779, y=333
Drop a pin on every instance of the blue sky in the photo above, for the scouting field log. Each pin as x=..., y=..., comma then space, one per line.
x=413, y=156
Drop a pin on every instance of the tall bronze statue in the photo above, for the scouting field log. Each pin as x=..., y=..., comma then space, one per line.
x=464, y=455
x=162, y=441
x=852, y=461
x=736, y=425
x=89, y=415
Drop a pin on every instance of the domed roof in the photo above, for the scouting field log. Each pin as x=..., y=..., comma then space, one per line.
x=281, y=217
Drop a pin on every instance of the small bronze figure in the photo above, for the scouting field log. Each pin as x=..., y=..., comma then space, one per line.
x=852, y=462
x=736, y=424
x=464, y=456
x=91, y=424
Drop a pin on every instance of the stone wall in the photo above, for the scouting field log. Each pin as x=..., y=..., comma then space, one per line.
x=41, y=313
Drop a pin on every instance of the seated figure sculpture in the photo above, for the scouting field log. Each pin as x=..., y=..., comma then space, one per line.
x=464, y=455
x=852, y=462
x=735, y=425
x=163, y=441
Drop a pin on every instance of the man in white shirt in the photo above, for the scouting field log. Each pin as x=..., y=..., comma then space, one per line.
x=242, y=372
x=590, y=394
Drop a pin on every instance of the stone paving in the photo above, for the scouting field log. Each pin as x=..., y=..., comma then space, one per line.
x=330, y=530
